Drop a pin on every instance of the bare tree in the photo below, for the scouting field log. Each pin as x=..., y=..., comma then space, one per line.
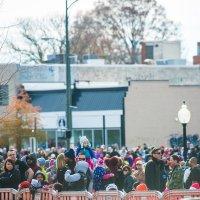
x=37, y=38
x=88, y=36
x=133, y=21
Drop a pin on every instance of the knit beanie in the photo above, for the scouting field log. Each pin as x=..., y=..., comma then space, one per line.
x=70, y=154
x=141, y=187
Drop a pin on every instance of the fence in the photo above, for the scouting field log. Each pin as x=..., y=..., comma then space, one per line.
x=181, y=194
x=10, y=194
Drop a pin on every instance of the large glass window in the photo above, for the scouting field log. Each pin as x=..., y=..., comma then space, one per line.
x=3, y=95
x=113, y=137
x=88, y=134
x=98, y=138
x=75, y=137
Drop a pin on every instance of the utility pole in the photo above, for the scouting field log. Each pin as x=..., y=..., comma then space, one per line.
x=68, y=77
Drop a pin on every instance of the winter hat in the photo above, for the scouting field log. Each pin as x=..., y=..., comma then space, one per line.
x=70, y=154
x=41, y=161
x=139, y=162
x=195, y=186
x=35, y=183
x=39, y=173
x=141, y=187
x=111, y=186
x=23, y=185
x=81, y=166
x=53, y=156
x=100, y=163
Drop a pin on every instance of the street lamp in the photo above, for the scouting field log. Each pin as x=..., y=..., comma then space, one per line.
x=68, y=75
x=184, y=118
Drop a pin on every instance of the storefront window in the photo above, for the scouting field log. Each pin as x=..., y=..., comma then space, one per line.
x=113, y=137
x=98, y=138
x=75, y=137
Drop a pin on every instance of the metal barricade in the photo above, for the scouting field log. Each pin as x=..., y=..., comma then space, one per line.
x=8, y=194
x=147, y=195
x=108, y=195
x=181, y=194
x=74, y=195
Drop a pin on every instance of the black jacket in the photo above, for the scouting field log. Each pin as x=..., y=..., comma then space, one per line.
x=193, y=177
x=10, y=179
x=128, y=183
x=155, y=175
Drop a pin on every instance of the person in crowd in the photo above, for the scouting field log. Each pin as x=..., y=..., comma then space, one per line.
x=101, y=177
x=26, y=173
x=85, y=149
x=31, y=161
x=128, y=179
x=194, y=176
x=176, y=174
x=155, y=174
x=123, y=152
x=139, y=173
x=40, y=176
x=77, y=181
x=1, y=163
x=71, y=160
x=114, y=152
x=113, y=187
x=99, y=153
x=129, y=158
x=41, y=163
x=62, y=167
x=10, y=178
x=114, y=165
x=99, y=172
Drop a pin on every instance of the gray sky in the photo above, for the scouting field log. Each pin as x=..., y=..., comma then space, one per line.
x=186, y=12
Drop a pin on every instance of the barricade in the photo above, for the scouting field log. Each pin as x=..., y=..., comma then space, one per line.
x=147, y=195
x=39, y=195
x=74, y=195
x=48, y=194
x=107, y=195
x=181, y=194
x=25, y=194
x=8, y=194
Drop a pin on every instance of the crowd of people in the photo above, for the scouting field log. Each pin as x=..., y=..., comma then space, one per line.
x=140, y=169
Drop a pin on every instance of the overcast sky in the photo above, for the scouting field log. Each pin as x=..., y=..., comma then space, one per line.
x=186, y=12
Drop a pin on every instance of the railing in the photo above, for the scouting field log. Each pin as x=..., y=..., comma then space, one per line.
x=8, y=194
x=74, y=195
x=150, y=195
x=181, y=194
x=107, y=195
x=11, y=194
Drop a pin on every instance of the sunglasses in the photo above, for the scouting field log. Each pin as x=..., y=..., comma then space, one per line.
x=81, y=158
x=125, y=170
x=158, y=153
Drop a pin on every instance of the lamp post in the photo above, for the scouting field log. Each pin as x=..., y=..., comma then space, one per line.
x=184, y=118
x=68, y=75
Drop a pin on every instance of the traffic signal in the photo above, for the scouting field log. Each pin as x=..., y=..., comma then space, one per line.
x=68, y=134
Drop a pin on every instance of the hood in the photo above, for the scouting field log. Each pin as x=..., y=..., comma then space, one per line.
x=81, y=166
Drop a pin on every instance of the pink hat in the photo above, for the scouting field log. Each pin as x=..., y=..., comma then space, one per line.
x=195, y=186
x=100, y=162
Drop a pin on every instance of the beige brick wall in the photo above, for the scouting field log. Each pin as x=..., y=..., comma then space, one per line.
x=151, y=108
